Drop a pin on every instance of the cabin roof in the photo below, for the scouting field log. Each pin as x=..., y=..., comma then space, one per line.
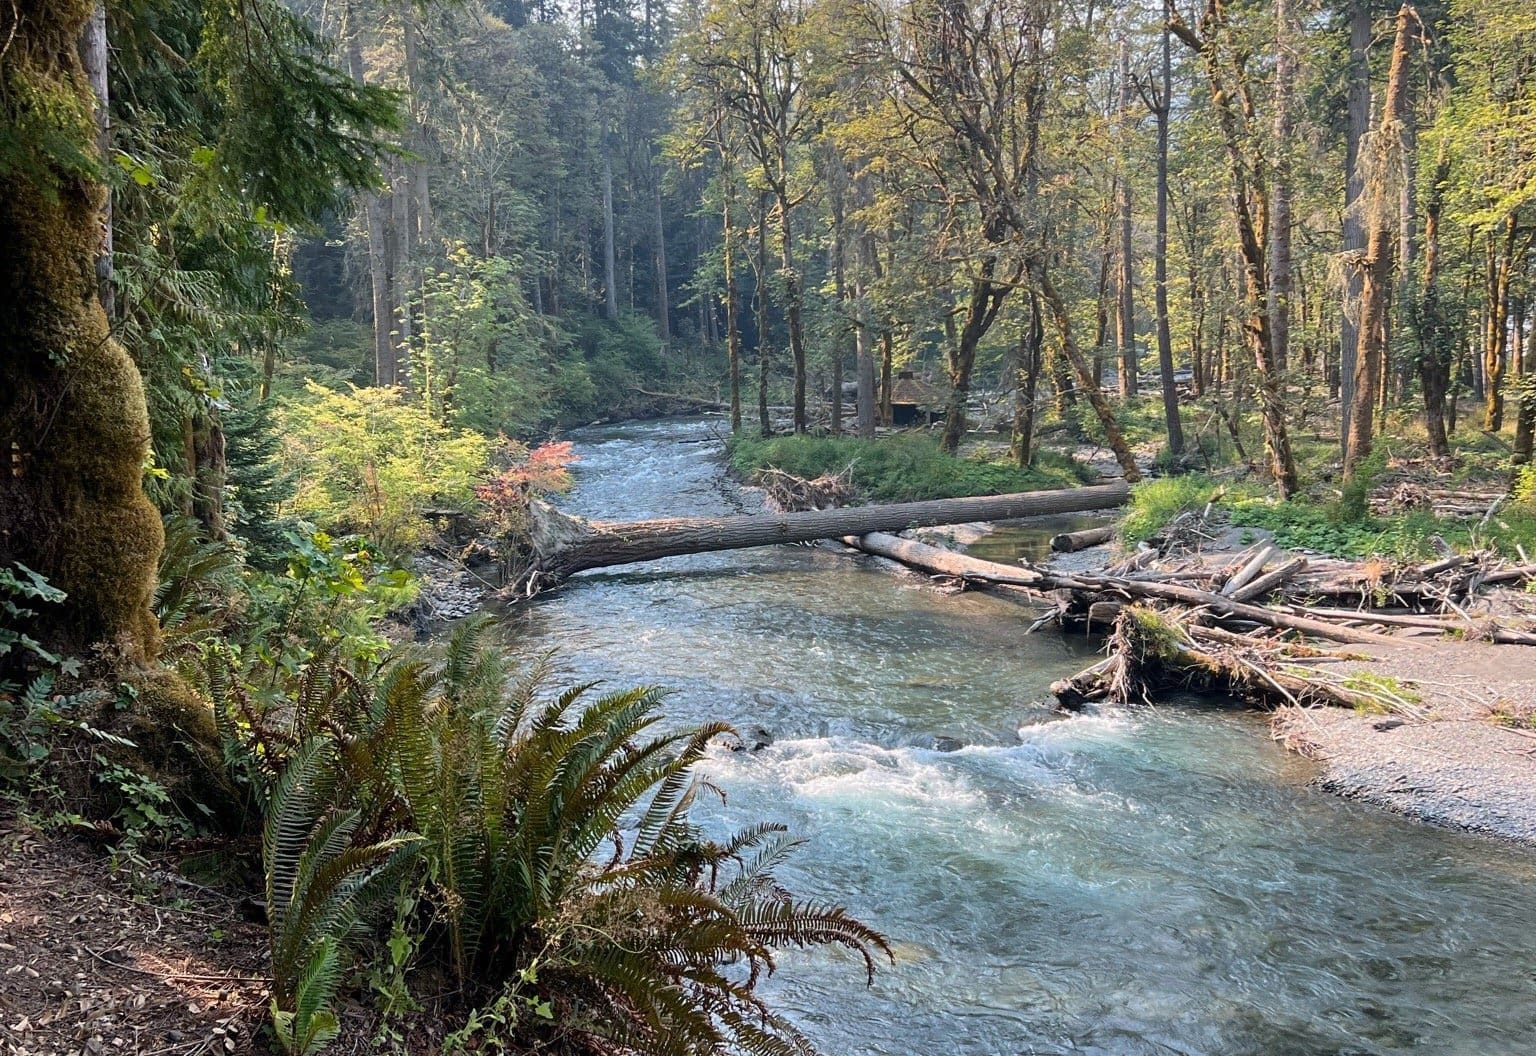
x=911, y=391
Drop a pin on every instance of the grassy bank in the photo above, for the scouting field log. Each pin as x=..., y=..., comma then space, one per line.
x=1334, y=523
x=900, y=468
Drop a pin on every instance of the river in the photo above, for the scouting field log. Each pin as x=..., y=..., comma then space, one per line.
x=1162, y=881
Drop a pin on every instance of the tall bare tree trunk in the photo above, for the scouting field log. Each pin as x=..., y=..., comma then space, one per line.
x=1170, y=387
x=663, y=301
x=1354, y=231
x=94, y=59
x=863, y=348
x=1380, y=162
x=732, y=328
x=1280, y=219
x=1435, y=354
x=385, y=364
x=402, y=267
x=421, y=197
x=610, y=277
x=1500, y=266
x=792, y=307
x=1026, y=382
x=763, y=353
x=1125, y=316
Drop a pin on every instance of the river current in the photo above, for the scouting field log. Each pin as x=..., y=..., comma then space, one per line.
x=1162, y=881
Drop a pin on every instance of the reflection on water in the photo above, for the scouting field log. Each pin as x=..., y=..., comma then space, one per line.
x=1160, y=882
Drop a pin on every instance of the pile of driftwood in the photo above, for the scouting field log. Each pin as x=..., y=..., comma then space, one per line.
x=1241, y=624
x=786, y=492
x=1409, y=495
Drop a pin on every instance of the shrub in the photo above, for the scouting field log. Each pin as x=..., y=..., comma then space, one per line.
x=1156, y=502
x=561, y=867
x=366, y=461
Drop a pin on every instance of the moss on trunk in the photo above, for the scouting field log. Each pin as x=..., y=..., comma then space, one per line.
x=74, y=428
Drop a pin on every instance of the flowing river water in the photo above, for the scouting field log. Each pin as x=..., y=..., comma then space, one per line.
x=1161, y=881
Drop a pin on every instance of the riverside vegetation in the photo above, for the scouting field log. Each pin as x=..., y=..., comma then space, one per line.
x=297, y=293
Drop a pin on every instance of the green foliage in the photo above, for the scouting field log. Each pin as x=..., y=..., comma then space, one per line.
x=33, y=707
x=368, y=461
x=518, y=797
x=477, y=360
x=1156, y=502
x=898, y=468
x=197, y=577
x=323, y=876
x=257, y=485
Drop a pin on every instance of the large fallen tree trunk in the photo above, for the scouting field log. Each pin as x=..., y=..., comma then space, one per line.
x=564, y=545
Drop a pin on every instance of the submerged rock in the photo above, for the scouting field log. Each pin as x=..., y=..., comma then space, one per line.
x=752, y=739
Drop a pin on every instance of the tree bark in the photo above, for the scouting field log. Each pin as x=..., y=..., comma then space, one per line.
x=1125, y=316
x=385, y=362
x=1381, y=210
x=566, y=545
x=94, y=57
x=1026, y=382
x=1354, y=230
x=1280, y=218
x=763, y=354
x=663, y=301
x=863, y=349
x=74, y=424
x=1162, y=113
x=1500, y=266
x=1435, y=354
x=732, y=329
x=610, y=277
x=1106, y=414
x=792, y=307
x=982, y=305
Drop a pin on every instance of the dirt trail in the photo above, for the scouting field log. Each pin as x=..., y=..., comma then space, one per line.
x=91, y=964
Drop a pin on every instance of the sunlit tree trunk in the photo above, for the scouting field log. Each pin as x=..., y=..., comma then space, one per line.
x=1354, y=231
x=1125, y=316
x=1161, y=112
x=1380, y=203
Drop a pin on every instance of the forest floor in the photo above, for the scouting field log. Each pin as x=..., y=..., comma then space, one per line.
x=95, y=961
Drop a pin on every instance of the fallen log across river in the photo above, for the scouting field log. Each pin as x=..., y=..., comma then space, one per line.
x=564, y=545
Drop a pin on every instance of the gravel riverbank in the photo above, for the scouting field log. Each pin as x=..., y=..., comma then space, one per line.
x=1462, y=763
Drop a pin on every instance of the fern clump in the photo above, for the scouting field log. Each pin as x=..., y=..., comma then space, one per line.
x=557, y=874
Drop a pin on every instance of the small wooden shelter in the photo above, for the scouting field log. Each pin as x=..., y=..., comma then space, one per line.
x=914, y=401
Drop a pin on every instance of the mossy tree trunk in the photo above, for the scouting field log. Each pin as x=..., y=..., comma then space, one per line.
x=74, y=425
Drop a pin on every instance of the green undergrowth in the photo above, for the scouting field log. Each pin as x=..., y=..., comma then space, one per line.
x=1327, y=521
x=900, y=468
